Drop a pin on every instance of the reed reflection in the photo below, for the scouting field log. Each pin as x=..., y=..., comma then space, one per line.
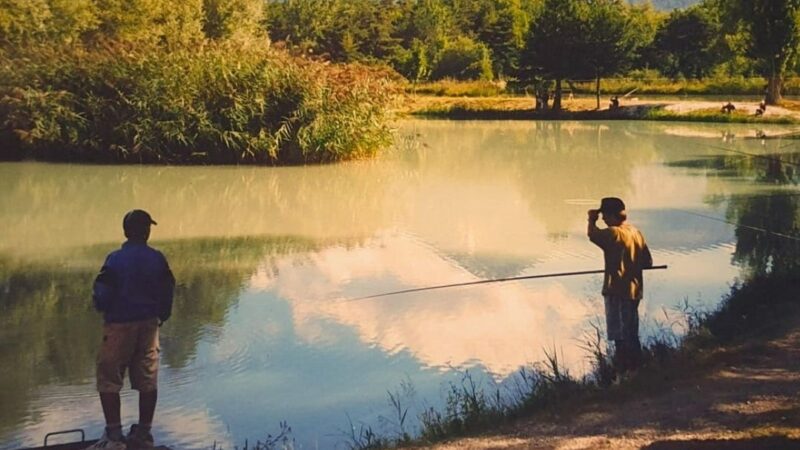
x=47, y=326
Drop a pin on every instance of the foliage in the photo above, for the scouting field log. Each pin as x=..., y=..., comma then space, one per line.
x=772, y=29
x=24, y=21
x=223, y=19
x=150, y=21
x=222, y=104
x=688, y=43
x=463, y=59
x=609, y=42
x=500, y=24
x=575, y=39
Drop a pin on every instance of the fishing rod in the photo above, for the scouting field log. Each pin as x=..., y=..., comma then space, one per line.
x=631, y=92
x=493, y=280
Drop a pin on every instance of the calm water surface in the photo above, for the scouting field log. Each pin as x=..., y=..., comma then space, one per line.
x=267, y=258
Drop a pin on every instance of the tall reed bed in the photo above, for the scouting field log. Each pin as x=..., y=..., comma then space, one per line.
x=217, y=104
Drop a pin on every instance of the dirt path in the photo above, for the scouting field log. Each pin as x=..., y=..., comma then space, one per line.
x=746, y=397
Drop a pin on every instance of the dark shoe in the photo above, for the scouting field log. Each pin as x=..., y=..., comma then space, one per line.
x=139, y=438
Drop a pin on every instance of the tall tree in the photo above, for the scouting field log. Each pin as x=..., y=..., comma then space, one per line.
x=609, y=42
x=425, y=28
x=500, y=24
x=688, y=43
x=301, y=23
x=555, y=43
x=773, y=36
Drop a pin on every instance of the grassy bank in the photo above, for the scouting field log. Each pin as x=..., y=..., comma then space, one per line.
x=713, y=86
x=216, y=104
x=750, y=313
x=665, y=86
x=716, y=116
x=521, y=108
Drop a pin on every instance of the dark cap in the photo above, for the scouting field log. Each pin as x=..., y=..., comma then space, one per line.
x=611, y=205
x=136, y=220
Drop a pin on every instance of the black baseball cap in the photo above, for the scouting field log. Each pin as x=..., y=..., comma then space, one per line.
x=611, y=205
x=137, y=219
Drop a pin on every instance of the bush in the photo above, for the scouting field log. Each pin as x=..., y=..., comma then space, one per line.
x=220, y=104
x=463, y=59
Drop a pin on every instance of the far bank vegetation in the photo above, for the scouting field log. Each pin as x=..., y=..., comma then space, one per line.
x=312, y=81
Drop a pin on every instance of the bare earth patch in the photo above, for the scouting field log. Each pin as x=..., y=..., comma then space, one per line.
x=745, y=397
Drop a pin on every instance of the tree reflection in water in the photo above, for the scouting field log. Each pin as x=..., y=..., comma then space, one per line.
x=767, y=253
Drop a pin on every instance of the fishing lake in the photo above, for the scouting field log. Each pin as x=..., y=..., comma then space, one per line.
x=264, y=329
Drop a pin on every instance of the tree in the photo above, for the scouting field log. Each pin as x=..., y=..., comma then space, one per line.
x=773, y=35
x=555, y=42
x=500, y=24
x=688, y=43
x=301, y=23
x=609, y=42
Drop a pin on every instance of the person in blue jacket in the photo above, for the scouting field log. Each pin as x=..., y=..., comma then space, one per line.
x=134, y=291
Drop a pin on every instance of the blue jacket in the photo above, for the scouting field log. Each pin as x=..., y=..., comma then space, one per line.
x=135, y=283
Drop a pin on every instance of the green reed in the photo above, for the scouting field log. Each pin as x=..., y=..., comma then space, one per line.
x=217, y=104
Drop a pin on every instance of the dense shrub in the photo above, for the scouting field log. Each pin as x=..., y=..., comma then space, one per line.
x=463, y=59
x=219, y=104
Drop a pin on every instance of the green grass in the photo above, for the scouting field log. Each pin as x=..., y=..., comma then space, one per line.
x=453, y=88
x=665, y=86
x=714, y=116
x=220, y=104
x=718, y=85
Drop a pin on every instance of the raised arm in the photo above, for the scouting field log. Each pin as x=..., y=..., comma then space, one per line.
x=593, y=215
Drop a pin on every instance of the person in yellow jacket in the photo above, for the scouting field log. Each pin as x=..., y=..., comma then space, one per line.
x=626, y=255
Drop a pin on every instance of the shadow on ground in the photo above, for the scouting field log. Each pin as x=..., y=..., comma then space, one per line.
x=765, y=443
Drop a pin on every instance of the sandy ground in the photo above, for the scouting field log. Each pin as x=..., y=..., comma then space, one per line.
x=746, y=397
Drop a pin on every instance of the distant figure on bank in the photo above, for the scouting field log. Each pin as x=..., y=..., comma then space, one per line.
x=626, y=255
x=134, y=292
x=614, y=103
x=728, y=108
x=762, y=108
x=542, y=99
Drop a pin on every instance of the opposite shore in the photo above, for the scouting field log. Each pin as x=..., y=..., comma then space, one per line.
x=584, y=108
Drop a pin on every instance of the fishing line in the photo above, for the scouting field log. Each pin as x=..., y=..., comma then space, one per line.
x=753, y=155
x=494, y=280
x=749, y=227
